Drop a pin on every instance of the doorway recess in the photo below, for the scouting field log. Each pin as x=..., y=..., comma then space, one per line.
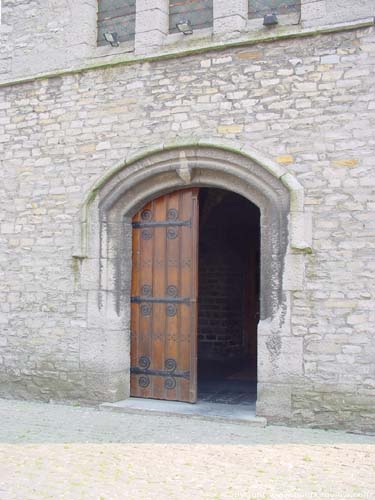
x=228, y=310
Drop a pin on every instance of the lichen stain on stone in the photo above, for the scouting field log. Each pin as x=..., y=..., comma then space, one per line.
x=100, y=301
x=76, y=268
x=274, y=347
x=311, y=271
x=283, y=312
x=117, y=284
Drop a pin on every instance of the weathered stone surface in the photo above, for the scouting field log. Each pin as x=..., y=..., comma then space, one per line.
x=274, y=400
x=84, y=453
x=36, y=39
x=332, y=406
x=305, y=105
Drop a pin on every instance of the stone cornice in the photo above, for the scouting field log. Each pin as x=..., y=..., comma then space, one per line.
x=206, y=45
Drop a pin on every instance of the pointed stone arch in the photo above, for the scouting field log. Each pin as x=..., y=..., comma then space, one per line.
x=104, y=234
x=227, y=147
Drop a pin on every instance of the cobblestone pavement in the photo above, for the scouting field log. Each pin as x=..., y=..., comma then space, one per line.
x=70, y=453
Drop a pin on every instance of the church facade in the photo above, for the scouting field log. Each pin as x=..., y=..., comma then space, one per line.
x=187, y=186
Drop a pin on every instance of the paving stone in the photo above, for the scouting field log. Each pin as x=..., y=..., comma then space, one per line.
x=61, y=452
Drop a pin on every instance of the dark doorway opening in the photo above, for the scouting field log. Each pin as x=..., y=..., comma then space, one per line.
x=228, y=311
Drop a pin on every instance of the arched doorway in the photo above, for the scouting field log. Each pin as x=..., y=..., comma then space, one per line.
x=228, y=297
x=104, y=250
x=195, y=297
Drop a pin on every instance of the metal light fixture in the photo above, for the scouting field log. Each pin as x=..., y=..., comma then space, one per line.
x=111, y=38
x=270, y=19
x=185, y=27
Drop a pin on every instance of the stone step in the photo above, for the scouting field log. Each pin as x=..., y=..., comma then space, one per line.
x=239, y=414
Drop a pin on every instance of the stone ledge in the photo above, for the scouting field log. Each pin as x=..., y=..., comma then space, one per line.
x=209, y=45
x=237, y=414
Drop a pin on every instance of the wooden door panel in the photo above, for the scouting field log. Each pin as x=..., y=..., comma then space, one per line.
x=142, y=272
x=164, y=298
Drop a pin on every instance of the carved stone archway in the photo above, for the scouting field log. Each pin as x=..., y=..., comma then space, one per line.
x=104, y=235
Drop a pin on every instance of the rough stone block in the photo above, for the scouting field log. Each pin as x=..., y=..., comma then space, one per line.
x=310, y=11
x=104, y=311
x=143, y=5
x=230, y=16
x=280, y=358
x=143, y=41
x=229, y=24
x=274, y=400
x=294, y=275
x=301, y=229
x=102, y=351
x=223, y=8
x=149, y=20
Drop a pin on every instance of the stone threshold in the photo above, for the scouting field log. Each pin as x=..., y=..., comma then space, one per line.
x=202, y=410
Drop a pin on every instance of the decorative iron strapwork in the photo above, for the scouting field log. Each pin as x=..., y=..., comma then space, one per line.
x=162, y=223
x=171, y=301
x=161, y=300
x=171, y=224
x=170, y=372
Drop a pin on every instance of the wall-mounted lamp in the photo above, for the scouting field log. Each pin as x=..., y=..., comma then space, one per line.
x=185, y=27
x=270, y=19
x=112, y=38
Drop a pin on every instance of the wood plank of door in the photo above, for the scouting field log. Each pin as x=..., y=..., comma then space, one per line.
x=164, y=332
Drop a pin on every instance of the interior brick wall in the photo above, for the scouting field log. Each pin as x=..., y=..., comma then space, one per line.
x=223, y=268
x=221, y=301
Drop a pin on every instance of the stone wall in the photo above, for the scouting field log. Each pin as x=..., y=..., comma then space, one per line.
x=46, y=36
x=307, y=104
x=318, y=12
x=39, y=36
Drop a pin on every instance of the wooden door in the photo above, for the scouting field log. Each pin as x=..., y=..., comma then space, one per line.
x=164, y=298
